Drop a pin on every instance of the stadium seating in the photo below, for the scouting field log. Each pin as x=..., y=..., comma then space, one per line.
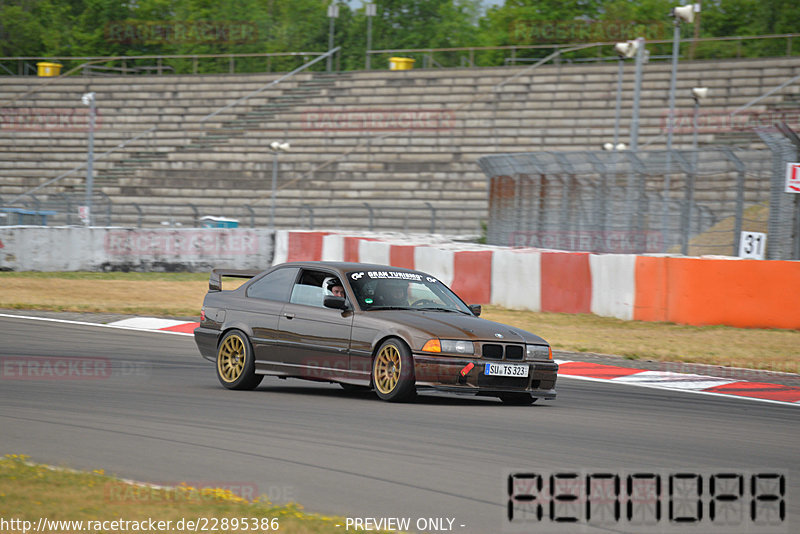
x=389, y=149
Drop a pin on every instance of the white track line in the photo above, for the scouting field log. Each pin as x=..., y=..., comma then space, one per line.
x=82, y=323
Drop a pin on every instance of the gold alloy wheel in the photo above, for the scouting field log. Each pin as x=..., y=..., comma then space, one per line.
x=387, y=369
x=231, y=358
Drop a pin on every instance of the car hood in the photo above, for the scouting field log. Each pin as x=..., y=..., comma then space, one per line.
x=446, y=325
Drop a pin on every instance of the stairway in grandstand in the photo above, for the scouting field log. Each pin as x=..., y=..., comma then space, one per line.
x=390, y=149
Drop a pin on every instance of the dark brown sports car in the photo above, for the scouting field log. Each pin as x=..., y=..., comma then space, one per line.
x=393, y=330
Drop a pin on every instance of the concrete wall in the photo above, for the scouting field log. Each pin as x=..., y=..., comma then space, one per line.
x=33, y=248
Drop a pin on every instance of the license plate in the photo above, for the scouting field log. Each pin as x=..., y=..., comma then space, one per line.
x=505, y=369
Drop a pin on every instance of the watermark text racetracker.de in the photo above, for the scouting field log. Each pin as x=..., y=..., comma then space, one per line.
x=70, y=368
x=584, y=31
x=721, y=121
x=120, y=492
x=56, y=119
x=378, y=119
x=181, y=243
x=194, y=524
x=181, y=32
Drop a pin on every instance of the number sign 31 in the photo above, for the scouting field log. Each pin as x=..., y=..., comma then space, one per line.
x=752, y=245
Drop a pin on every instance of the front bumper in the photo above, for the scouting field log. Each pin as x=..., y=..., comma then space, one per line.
x=443, y=373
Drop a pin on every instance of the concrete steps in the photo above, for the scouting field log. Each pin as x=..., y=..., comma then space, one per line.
x=339, y=158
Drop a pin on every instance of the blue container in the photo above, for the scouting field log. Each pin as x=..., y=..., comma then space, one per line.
x=218, y=222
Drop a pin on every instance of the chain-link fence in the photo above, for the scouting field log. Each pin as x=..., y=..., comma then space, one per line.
x=694, y=202
x=784, y=215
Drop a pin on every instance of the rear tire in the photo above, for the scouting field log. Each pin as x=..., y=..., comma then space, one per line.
x=393, y=371
x=235, y=362
x=517, y=399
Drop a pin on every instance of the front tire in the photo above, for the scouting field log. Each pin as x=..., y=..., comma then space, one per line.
x=235, y=362
x=393, y=371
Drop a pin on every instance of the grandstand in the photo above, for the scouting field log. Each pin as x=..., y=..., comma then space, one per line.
x=391, y=150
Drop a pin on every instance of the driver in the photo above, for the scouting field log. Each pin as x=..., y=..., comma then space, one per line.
x=393, y=292
x=336, y=288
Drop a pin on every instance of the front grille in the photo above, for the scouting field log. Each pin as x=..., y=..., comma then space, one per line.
x=495, y=351
x=514, y=352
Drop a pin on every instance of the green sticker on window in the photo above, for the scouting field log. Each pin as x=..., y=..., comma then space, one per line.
x=368, y=301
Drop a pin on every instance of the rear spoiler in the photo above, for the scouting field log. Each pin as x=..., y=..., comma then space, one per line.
x=215, y=280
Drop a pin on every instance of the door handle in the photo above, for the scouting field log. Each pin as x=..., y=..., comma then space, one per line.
x=289, y=315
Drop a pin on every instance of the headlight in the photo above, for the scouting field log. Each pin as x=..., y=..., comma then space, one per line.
x=458, y=346
x=538, y=352
x=451, y=346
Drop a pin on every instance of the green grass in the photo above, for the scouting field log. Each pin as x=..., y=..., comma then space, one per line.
x=30, y=491
x=115, y=275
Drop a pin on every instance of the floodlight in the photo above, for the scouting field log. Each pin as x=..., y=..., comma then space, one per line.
x=699, y=93
x=627, y=49
x=686, y=13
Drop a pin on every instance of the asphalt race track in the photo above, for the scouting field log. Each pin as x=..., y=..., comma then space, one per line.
x=159, y=415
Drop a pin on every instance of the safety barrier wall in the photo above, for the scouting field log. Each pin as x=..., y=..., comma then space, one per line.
x=697, y=291
x=37, y=248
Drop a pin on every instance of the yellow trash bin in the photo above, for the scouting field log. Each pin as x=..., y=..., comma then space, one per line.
x=401, y=63
x=49, y=69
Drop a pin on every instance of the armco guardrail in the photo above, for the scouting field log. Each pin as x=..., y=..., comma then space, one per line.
x=696, y=291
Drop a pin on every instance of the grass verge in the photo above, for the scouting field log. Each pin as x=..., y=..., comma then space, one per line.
x=181, y=295
x=30, y=492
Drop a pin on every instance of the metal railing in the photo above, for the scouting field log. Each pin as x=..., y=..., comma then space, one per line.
x=521, y=53
x=163, y=63
x=62, y=210
x=459, y=57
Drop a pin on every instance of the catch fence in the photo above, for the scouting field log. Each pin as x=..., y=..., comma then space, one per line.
x=691, y=202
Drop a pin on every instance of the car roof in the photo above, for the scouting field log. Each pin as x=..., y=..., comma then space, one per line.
x=348, y=266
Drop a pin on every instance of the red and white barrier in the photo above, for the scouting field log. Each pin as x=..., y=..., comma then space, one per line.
x=698, y=291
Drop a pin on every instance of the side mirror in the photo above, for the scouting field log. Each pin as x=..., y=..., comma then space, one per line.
x=475, y=309
x=331, y=301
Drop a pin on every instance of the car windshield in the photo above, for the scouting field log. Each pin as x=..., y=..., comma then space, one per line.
x=381, y=290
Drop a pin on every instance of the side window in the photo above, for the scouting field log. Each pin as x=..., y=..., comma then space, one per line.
x=311, y=288
x=274, y=286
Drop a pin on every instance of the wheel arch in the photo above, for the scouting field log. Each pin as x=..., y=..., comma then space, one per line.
x=235, y=326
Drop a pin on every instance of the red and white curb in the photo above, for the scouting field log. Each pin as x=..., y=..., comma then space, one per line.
x=666, y=380
x=156, y=323
x=710, y=385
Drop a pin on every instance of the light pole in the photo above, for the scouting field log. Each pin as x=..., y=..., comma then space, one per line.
x=625, y=51
x=641, y=58
x=686, y=14
x=333, y=14
x=371, y=12
x=698, y=94
x=88, y=99
x=277, y=148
